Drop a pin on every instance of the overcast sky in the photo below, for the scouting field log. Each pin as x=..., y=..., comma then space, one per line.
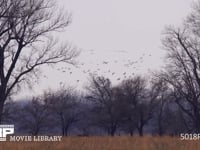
x=113, y=35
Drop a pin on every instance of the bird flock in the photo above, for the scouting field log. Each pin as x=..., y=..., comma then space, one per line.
x=113, y=68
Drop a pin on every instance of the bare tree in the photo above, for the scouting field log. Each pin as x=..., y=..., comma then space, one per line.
x=64, y=109
x=26, y=42
x=163, y=111
x=105, y=107
x=183, y=70
x=8, y=111
x=138, y=104
x=131, y=91
x=33, y=117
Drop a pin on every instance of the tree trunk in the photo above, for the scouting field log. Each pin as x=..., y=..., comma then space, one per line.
x=111, y=130
x=197, y=125
x=197, y=119
x=140, y=128
x=160, y=128
x=160, y=132
x=141, y=125
x=66, y=129
x=36, y=131
x=131, y=133
x=112, y=133
x=62, y=124
x=2, y=100
x=140, y=131
x=1, y=112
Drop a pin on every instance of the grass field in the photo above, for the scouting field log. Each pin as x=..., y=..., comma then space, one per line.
x=106, y=143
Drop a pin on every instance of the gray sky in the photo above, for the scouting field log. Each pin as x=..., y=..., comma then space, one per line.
x=116, y=37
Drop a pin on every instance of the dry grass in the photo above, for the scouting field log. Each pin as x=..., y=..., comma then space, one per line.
x=106, y=143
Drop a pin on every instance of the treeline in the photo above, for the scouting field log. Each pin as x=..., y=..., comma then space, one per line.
x=136, y=106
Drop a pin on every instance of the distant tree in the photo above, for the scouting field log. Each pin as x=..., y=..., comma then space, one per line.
x=33, y=116
x=84, y=125
x=145, y=108
x=104, y=105
x=183, y=70
x=9, y=109
x=131, y=92
x=64, y=108
x=138, y=104
x=164, y=106
x=26, y=42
